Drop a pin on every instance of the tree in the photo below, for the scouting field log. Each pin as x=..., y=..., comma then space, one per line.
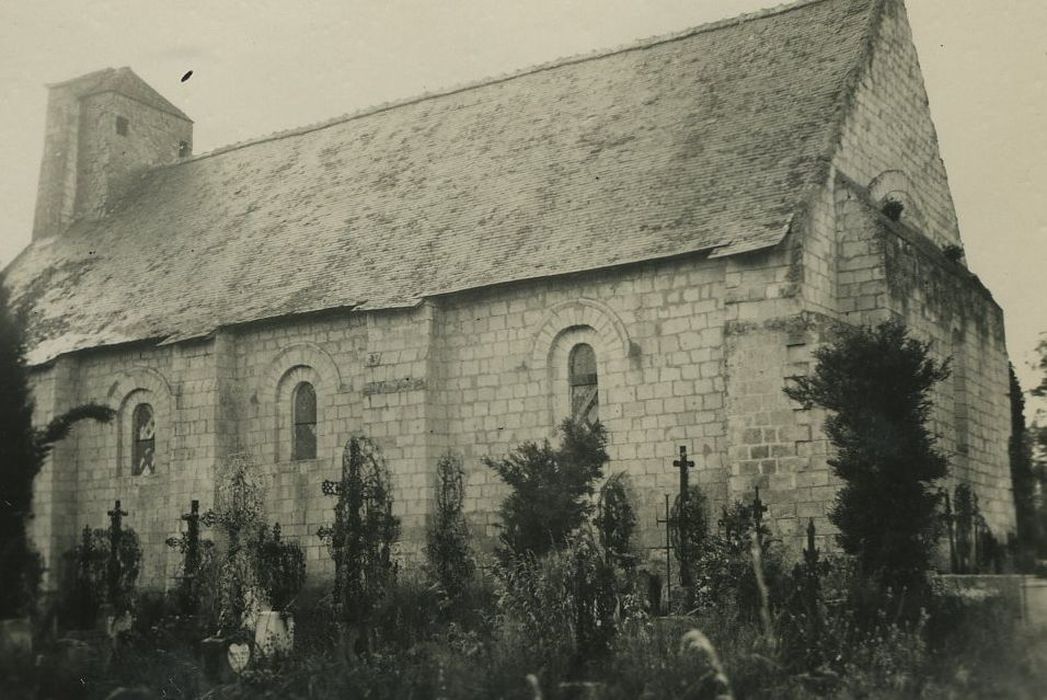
x=1038, y=438
x=876, y=384
x=23, y=450
x=1023, y=478
x=550, y=488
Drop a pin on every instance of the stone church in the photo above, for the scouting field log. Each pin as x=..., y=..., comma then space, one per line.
x=657, y=236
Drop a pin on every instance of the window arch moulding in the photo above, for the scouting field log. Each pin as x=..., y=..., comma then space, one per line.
x=139, y=432
x=565, y=327
x=305, y=354
x=273, y=395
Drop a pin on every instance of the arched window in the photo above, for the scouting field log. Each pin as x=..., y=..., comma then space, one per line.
x=303, y=417
x=143, y=440
x=581, y=375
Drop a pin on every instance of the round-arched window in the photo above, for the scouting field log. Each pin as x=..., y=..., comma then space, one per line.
x=303, y=418
x=581, y=376
x=143, y=440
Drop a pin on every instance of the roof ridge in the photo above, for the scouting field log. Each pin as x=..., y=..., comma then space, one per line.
x=595, y=54
x=92, y=74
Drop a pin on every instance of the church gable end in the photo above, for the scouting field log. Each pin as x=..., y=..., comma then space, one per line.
x=895, y=251
x=888, y=142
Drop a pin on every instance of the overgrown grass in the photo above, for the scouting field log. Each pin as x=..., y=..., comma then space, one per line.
x=421, y=647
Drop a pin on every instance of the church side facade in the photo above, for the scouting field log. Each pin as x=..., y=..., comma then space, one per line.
x=693, y=350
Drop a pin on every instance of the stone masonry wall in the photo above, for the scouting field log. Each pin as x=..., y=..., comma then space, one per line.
x=476, y=373
x=658, y=335
x=180, y=383
x=888, y=142
x=109, y=164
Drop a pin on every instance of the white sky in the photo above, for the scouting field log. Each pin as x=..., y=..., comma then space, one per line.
x=262, y=66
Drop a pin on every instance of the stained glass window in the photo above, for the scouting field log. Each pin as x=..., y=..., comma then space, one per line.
x=585, y=395
x=304, y=418
x=143, y=440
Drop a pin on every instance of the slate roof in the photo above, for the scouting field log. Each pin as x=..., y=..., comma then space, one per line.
x=708, y=140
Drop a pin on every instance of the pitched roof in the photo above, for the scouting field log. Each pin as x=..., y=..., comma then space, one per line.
x=126, y=82
x=708, y=140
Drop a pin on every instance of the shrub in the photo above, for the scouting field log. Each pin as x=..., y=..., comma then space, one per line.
x=888, y=655
x=953, y=253
x=550, y=488
x=568, y=603
x=876, y=383
x=407, y=614
x=279, y=568
x=93, y=581
x=892, y=209
x=449, y=559
x=726, y=574
x=616, y=521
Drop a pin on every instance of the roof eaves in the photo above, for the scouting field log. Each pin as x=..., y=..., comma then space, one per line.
x=708, y=250
x=754, y=244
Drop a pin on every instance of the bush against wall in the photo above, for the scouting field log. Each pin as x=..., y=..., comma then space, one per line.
x=449, y=560
x=93, y=582
x=616, y=520
x=550, y=488
x=876, y=383
x=279, y=567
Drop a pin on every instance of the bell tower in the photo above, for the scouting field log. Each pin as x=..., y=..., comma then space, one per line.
x=104, y=130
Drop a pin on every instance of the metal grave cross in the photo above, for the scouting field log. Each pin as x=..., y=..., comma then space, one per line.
x=116, y=516
x=684, y=465
x=669, y=521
